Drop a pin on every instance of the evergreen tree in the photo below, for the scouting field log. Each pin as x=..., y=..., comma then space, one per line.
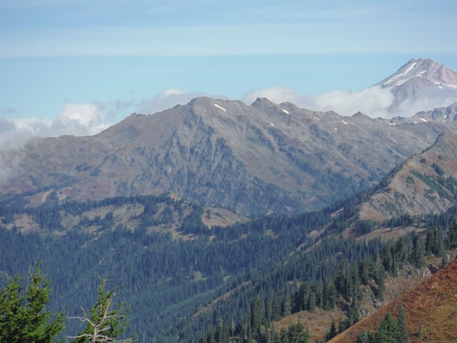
x=104, y=324
x=451, y=236
x=330, y=296
x=356, y=289
x=342, y=279
x=444, y=261
x=354, y=313
x=276, y=338
x=332, y=332
x=287, y=304
x=364, y=337
x=296, y=334
x=402, y=326
x=365, y=269
x=302, y=300
x=388, y=259
x=23, y=314
x=417, y=252
x=312, y=302
x=379, y=275
x=401, y=252
x=257, y=315
x=386, y=330
x=433, y=242
x=284, y=336
x=319, y=291
x=276, y=310
x=269, y=311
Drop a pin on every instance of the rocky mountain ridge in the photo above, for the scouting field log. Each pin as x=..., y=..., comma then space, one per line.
x=426, y=183
x=262, y=158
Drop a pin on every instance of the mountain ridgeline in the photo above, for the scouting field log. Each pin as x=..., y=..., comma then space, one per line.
x=258, y=159
x=219, y=219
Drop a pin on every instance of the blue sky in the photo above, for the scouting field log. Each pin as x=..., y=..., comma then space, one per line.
x=117, y=57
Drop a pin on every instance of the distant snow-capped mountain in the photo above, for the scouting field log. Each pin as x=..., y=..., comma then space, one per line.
x=417, y=79
x=426, y=70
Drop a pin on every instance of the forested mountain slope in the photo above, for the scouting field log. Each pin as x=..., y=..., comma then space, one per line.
x=182, y=277
x=164, y=279
x=172, y=284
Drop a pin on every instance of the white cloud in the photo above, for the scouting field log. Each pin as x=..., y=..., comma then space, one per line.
x=79, y=120
x=74, y=119
x=168, y=99
x=373, y=101
x=428, y=99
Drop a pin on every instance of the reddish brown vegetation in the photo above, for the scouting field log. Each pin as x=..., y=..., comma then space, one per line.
x=432, y=305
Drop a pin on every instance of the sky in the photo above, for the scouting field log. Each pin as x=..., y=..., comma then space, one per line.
x=78, y=66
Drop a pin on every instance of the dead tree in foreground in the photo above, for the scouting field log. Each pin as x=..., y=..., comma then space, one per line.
x=103, y=325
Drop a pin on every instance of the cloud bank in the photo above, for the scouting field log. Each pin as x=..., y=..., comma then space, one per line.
x=373, y=101
x=74, y=119
x=428, y=99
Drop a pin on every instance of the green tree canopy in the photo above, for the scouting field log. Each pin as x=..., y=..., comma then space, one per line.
x=23, y=314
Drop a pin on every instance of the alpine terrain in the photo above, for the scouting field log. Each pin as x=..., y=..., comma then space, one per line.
x=418, y=79
x=227, y=222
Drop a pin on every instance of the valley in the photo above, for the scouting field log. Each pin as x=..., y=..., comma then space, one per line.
x=226, y=222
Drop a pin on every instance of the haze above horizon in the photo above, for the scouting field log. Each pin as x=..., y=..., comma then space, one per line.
x=92, y=64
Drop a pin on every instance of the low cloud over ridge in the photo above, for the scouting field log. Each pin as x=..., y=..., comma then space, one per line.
x=373, y=101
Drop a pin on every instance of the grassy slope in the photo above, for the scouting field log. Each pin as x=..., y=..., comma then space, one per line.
x=432, y=304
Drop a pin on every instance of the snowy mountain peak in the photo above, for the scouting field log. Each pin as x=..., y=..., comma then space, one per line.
x=421, y=70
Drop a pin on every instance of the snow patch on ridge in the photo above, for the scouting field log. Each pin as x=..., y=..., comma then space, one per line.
x=411, y=67
x=221, y=108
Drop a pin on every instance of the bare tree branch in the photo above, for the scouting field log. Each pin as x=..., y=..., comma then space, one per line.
x=104, y=324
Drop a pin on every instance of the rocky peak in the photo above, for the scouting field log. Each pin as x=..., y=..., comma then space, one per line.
x=421, y=69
